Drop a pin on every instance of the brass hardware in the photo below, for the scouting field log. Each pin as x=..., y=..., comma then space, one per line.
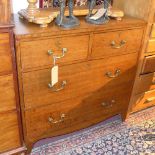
x=106, y=104
x=50, y=52
x=63, y=84
x=117, y=73
x=149, y=100
x=122, y=43
x=52, y=121
x=153, y=82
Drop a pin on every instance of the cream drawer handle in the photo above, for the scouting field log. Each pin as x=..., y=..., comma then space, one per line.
x=122, y=43
x=149, y=100
x=116, y=74
x=63, y=84
x=52, y=121
x=106, y=104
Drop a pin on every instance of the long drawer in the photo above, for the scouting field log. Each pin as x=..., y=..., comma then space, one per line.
x=149, y=64
x=9, y=132
x=143, y=101
x=7, y=94
x=76, y=113
x=39, y=53
x=145, y=83
x=5, y=53
x=116, y=43
x=78, y=79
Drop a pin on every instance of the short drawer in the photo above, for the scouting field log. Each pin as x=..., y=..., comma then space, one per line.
x=7, y=94
x=116, y=43
x=5, y=53
x=143, y=101
x=9, y=132
x=74, y=114
x=38, y=53
x=78, y=79
x=151, y=45
x=149, y=64
x=145, y=83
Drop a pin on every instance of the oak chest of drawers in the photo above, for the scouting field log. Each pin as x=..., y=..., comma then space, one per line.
x=10, y=130
x=143, y=95
x=97, y=67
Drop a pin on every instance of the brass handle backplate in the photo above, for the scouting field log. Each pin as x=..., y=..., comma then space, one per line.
x=116, y=74
x=107, y=104
x=54, y=89
x=52, y=121
x=149, y=100
x=115, y=46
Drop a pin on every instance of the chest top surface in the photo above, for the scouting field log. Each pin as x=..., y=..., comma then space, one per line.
x=25, y=30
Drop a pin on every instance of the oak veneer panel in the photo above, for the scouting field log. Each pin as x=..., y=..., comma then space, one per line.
x=145, y=83
x=9, y=132
x=80, y=112
x=34, y=53
x=143, y=101
x=5, y=15
x=151, y=45
x=82, y=78
x=149, y=64
x=5, y=53
x=102, y=43
x=7, y=94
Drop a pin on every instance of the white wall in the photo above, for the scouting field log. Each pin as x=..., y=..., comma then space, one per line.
x=19, y=4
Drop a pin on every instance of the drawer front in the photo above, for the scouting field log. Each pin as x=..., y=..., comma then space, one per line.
x=74, y=114
x=146, y=83
x=35, y=53
x=5, y=53
x=151, y=46
x=9, y=132
x=153, y=31
x=149, y=65
x=143, y=101
x=116, y=43
x=7, y=94
x=80, y=78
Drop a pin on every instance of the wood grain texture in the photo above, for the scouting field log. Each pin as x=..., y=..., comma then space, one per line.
x=102, y=43
x=151, y=46
x=9, y=138
x=5, y=53
x=35, y=53
x=25, y=31
x=5, y=15
x=7, y=99
x=146, y=83
x=149, y=64
x=143, y=101
x=80, y=79
x=80, y=112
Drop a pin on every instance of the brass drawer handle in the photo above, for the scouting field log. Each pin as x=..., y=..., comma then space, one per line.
x=153, y=82
x=117, y=73
x=64, y=50
x=149, y=100
x=52, y=121
x=63, y=84
x=122, y=43
x=107, y=104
